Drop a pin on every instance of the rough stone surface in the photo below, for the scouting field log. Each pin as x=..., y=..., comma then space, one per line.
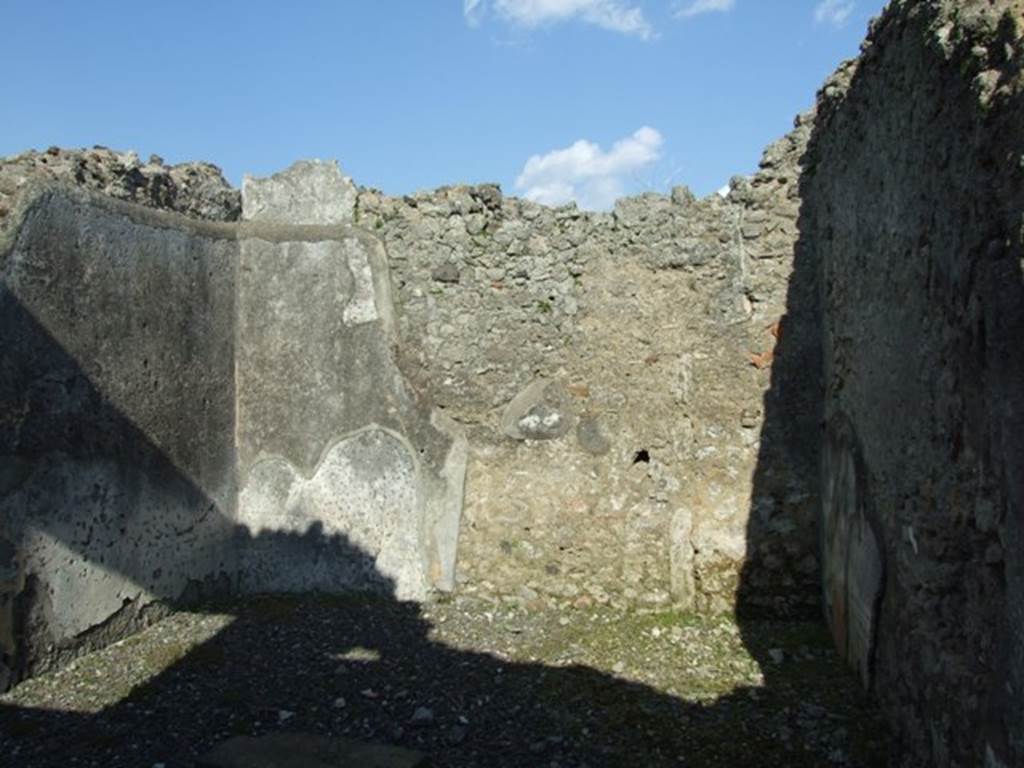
x=540, y=412
x=570, y=344
x=913, y=216
x=611, y=402
x=309, y=192
x=194, y=189
x=688, y=402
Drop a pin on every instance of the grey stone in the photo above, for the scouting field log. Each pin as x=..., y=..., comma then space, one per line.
x=591, y=437
x=682, y=196
x=422, y=716
x=193, y=189
x=309, y=192
x=271, y=401
x=298, y=750
x=540, y=412
x=491, y=195
x=927, y=379
x=446, y=273
x=476, y=223
x=750, y=418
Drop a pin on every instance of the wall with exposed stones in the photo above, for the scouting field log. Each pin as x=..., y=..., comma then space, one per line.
x=913, y=216
x=197, y=190
x=609, y=369
x=595, y=380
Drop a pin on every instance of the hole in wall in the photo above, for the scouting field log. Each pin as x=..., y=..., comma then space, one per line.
x=642, y=457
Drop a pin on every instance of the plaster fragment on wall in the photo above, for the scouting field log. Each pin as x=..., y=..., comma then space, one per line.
x=362, y=307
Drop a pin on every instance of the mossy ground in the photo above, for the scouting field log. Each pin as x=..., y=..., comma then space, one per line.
x=506, y=686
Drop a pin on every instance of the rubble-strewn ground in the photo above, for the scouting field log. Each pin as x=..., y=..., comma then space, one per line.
x=468, y=682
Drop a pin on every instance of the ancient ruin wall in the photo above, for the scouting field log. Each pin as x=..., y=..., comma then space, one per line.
x=643, y=392
x=913, y=213
x=190, y=407
x=347, y=480
x=197, y=190
x=609, y=370
x=117, y=414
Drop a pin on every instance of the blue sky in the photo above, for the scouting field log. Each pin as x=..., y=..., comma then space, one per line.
x=553, y=99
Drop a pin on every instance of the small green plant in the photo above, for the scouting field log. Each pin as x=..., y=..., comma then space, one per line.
x=544, y=307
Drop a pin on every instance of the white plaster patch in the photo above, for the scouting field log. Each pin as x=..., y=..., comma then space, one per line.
x=363, y=503
x=362, y=307
x=308, y=192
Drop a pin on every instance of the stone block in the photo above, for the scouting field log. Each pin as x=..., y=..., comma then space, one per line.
x=308, y=192
x=540, y=412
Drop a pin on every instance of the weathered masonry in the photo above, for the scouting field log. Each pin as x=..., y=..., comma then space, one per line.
x=800, y=397
x=192, y=406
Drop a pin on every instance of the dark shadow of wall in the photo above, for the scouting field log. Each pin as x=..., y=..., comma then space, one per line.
x=360, y=667
x=910, y=228
x=785, y=493
x=116, y=452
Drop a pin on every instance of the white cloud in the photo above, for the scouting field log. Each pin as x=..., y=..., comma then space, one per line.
x=472, y=10
x=584, y=172
x=834, y=12
x=697, y=7
x=613, y=15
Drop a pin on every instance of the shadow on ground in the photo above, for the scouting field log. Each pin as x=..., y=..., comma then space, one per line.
x=362, y=667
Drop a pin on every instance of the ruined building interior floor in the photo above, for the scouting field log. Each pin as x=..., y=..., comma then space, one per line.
x=469, y=682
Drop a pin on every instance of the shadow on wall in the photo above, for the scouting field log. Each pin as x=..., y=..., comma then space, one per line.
x=911, y=226
x=785, y=495
x=88, y=499
x=286, y=663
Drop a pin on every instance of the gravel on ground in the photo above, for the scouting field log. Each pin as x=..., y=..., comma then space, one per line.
x=467, y=681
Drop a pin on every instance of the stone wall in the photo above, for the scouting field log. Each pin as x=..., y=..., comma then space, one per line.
x=188, y=407
x=330, y=438
x=666, y=404
x=913, y=215
x=116, y=418
x=609, y=370
x=197, y=190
